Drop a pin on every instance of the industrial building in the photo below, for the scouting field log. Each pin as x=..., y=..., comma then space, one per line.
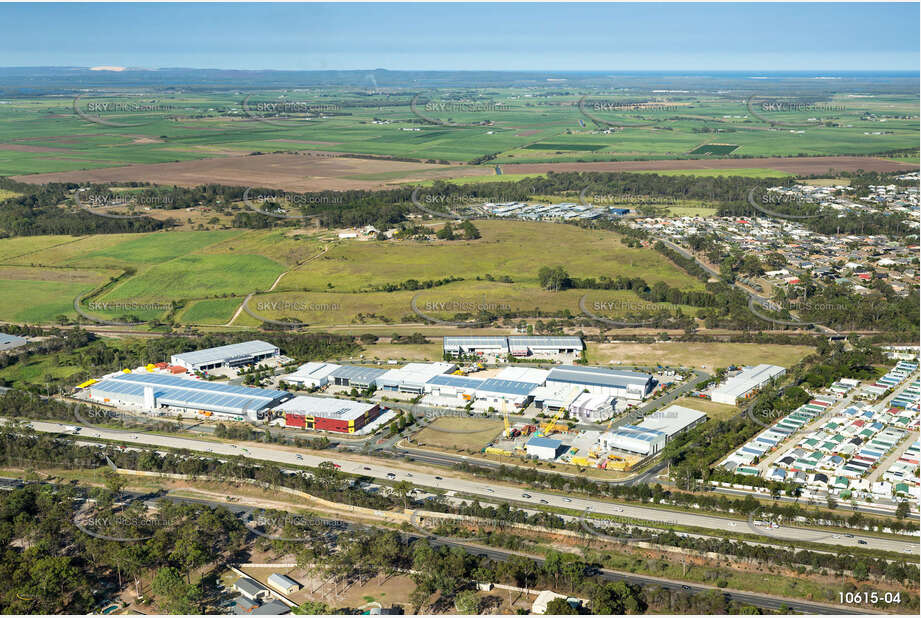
x=500, y=394
x=543, y=448
x=524, y=374
x=546, y=347
x=479, y=346
x=311, y=375
x=673, y=420
x=156, y=391
x=327, y=413
x=557, y=397
x=634, y=439
x=357, y=377
x=746, y=383
x=411, y=378
x=600, y=381
x=592, y=408
x=233, y=355
x=448, y=386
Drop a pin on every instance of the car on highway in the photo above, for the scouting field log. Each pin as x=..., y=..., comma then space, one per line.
x=542, y=501
x=391, y=475
x=909, y=550
x=861, y=542
x=732, y=523
x=408, y=474
x=849, y=536
x=525, y=495
x=685, y=587
x=367, y=467
x=490, y=490
x=567, y=499
x=301, y=457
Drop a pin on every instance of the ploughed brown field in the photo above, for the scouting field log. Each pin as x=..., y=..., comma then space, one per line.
x=320, y=171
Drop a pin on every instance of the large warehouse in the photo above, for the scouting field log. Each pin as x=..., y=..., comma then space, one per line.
x=744, y=384
x=480, y=346
x=311, y=375
x=233, y=355
x=633, y=439
x=545, y=346
x=673, y=420
x=357, y=377
x=155, y=391
x=411, y=378
x=515, y=346
x=599, y=381
x=327, y=414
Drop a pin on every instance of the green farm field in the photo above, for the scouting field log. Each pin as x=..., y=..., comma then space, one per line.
x=514, y=248
x=43, y=135
x=327, y=282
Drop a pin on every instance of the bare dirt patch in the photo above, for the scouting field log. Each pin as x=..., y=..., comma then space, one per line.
x=322, y=171
x=283, y=171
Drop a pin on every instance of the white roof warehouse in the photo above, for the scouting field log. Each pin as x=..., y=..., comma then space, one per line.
x=152, y=391
x=233, y=355
x=516, y=346
x=744, y=384
x=599, y=381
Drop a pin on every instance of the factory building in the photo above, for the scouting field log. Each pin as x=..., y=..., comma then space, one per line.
x=448, y=386
x=501, y=394
x=556, y=397
x=311, y=375
x=673, y=420
x=411, y=378
x=633, y=439
x=233, y=355
x=327, y=413
x=543, y=448
x=545, y=347
x=592, y=408
x=155, y=391
x=524, y=374
x=746, y=383
x=599, y=381
x=479, y=346
x=357, y=377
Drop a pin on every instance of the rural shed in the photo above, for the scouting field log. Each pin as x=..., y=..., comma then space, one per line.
x=250, y=588
x=283, y=583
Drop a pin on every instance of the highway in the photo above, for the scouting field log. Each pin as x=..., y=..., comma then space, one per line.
x=758, y=600
x=487, y=489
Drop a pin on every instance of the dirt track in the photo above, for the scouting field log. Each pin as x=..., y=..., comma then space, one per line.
x=318, y=171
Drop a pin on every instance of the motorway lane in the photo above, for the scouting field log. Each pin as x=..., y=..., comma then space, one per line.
x=757, y=600
x=488, y=489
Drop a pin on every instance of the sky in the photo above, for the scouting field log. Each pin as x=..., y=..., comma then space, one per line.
x=471, y=36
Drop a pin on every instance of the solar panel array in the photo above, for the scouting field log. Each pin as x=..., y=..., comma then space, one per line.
x=186, y=393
